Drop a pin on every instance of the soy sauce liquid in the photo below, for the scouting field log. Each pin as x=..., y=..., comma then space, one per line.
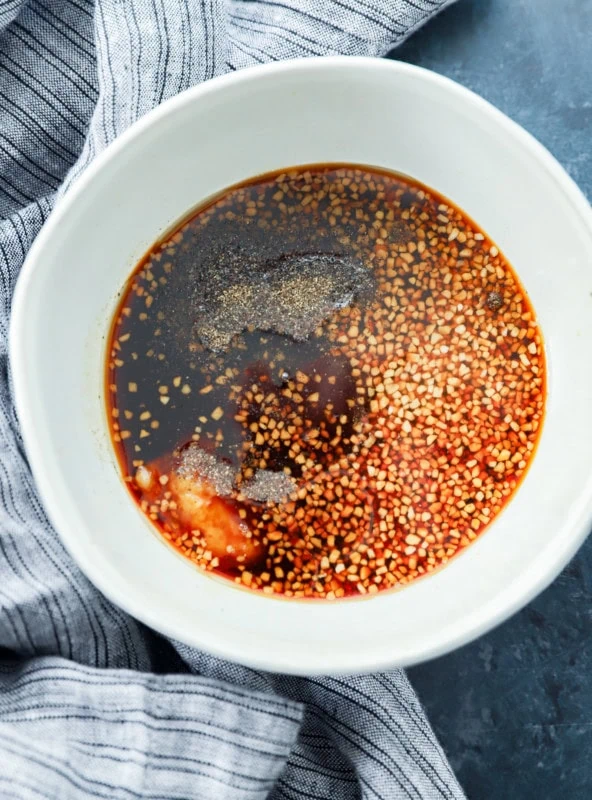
x=161, y=309
x=281, y=329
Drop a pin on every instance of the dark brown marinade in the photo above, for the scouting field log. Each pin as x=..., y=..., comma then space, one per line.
x=337, y=369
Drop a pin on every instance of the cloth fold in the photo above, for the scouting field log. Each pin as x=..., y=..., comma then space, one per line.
x=69, y=730
x=93, y=704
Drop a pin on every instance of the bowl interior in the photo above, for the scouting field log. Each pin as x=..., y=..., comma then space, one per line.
x=331, y=110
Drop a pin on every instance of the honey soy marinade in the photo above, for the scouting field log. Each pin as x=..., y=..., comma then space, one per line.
x=325, y=382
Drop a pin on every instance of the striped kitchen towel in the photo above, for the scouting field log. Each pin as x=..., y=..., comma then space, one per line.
x=93, y=704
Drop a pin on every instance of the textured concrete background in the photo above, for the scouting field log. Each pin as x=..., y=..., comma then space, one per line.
x=514, y=709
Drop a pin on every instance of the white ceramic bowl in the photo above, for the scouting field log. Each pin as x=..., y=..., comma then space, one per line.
x=362, y=111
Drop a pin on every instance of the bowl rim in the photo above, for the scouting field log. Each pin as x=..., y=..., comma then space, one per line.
x=543, y=567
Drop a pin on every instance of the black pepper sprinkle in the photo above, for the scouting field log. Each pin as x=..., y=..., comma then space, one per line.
x=494, y=301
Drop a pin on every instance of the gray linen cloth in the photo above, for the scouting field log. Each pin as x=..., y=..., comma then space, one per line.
x=93, y=704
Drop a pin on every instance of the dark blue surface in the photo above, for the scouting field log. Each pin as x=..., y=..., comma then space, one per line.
x=514, y=709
